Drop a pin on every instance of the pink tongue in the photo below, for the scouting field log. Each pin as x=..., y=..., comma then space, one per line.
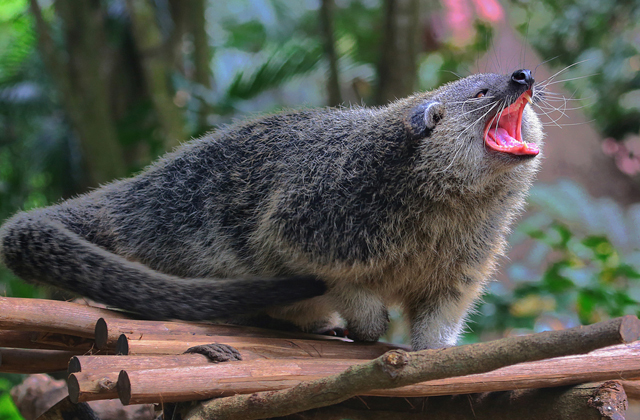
x=503, y=138
x=505, y=141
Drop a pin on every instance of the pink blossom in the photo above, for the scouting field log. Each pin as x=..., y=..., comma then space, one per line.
x=629, y=165
x=458, y=17
x=489, y=10
x=610, y=147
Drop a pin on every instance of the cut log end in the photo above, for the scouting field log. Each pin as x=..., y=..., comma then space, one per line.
x=124, y=387
x=74, y=365
x=629, y=328
x=122, y=346
x=101, y=334
x=74, y=388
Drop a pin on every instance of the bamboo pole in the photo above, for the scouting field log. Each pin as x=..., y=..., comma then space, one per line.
x=51, y=316
x=34, y=361
x=138, y=386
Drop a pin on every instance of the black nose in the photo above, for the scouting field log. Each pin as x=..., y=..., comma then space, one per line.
x=523, y=77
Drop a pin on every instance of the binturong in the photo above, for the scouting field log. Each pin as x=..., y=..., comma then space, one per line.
x=308, y=217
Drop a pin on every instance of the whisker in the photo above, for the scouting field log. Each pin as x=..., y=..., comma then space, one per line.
x=552, y=121
x=571, y=124
x=475, y=109
x=455, y=157
x=568, y=80
x=548, y=79
x=562, y=98
x=504, y=106
x=470, y=100
x=544, y=62
x=574, y=108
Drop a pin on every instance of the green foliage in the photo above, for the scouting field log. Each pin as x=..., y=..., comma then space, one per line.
x=8, y=410
x=358, y=29
x=38, y=163
x=584, y=281
x=581, y=267
x=17, y=38
x=247, y=36
x=598, y=38
x=281, y=63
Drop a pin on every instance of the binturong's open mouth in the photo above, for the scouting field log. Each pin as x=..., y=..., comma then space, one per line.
x=503, y=132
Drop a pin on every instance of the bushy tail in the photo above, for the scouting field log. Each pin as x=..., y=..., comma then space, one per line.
x=37, y=248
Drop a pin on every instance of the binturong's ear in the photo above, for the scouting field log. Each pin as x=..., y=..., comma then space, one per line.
x=422, y=119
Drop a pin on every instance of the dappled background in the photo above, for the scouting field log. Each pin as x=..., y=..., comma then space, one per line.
x=95, y=90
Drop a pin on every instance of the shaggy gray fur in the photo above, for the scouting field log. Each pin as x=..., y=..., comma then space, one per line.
x=400, y=204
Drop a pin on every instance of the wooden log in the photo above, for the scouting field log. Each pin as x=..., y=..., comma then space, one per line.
x=107, y=363
x=593, y=401
x=84, y=386
x=632, y=388
x=20, y=340
x=45, y=341
x=30, y=340
x=51, y=316
x=397, y=368
x=214, y=380
x=37, y=394
x=34, y=361
x=254, y=347
x=109, y=330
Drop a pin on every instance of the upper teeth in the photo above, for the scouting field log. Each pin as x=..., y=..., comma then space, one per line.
x=528, y=97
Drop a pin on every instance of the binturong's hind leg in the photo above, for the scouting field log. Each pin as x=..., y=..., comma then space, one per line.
x=355, y=308
x=438, y=320
x=316, y=315
x=366, y=316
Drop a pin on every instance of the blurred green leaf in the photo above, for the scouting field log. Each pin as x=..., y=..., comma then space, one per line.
x=8, y=410
x=281, y=63
x=247, y=36
x=17, y=37
x=554, y=281
x=625, y=270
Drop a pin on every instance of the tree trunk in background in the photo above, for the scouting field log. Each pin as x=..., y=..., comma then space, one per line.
x=81, y=81
x=150, y=45
x=201, y=58
x=397, y=69
x=189, y=18
x=328, y=40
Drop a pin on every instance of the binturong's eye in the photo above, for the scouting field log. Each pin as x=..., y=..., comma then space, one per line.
x=481, y=93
